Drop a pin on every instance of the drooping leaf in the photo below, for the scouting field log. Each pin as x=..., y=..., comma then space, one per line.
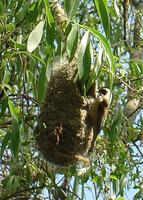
x=120, y=198
x=12, y=185
x=13, y=111
x=15, y=134
x=72, y=41
x=6, y=77
x=95, y=179
x=1, y=8
x=87, y=66
x=71, y=7
x=42, y=84
x=113, y=134
x=3, y=106
x=108, y=50
x=95, y=71
x=82, y=50
x=102, y=10
x=116, y=8
x=15, y=137
x=138, y=196
x=35, y=37
x=113, y=177
x=103, y=172
x=4, y=143
x=19, y=4
x=50, y=18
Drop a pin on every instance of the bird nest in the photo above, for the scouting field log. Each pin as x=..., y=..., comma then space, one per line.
x=64, y=132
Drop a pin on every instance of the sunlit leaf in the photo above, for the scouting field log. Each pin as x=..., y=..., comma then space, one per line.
x=116, y=9
x=95, y=178
x=120, y=198
x=35, y=37
x=113, y=177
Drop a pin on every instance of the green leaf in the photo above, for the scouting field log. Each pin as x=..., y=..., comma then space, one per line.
x=50, y=18
x=71, y=7
x=87, y=66
x=137, y=196
x=3, y=106
x=42, y=84
x=102, y=10
x=95, y=71
x=4, y=143
x=50, y=37
x=107, y=48
x=120, y=198
x=113, y=134
x=15, y=137
x=123, y=182
x=82, y=51
x=103, y=172
x=35, y=37
x=117, y=11
x=95, y=179
x=113, y=177
x=15, y=134
x=72, y=41
x=1, y=8
x=6, y=78
x=32, y=13
x=12, y=185
x=13, y=111
x=19, y=5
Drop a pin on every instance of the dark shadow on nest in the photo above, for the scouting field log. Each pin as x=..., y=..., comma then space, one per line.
x=64, y=133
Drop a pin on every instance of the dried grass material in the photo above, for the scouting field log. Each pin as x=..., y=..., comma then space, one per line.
x=64, y=131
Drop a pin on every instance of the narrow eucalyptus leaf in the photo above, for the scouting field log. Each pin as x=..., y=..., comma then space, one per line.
x=42, y=84
x=108, y=50
x=4, y=143
x=13, y=111
x=72, y=41
x=35, y=37
x=82, y=50
x=102, y=10
x=15, y=137
x=71, y=7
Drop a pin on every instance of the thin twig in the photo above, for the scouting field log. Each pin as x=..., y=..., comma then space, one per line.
x=132, y=80
x=121, y=80
x=134, y=143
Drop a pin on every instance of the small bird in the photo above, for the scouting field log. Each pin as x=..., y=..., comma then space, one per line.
x=98, y=112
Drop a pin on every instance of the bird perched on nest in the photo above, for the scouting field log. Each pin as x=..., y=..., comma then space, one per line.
x=98, y=112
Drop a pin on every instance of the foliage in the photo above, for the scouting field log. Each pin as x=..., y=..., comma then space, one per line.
x=106, y=38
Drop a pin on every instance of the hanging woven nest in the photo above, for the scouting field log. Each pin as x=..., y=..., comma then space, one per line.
x=64, y=132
